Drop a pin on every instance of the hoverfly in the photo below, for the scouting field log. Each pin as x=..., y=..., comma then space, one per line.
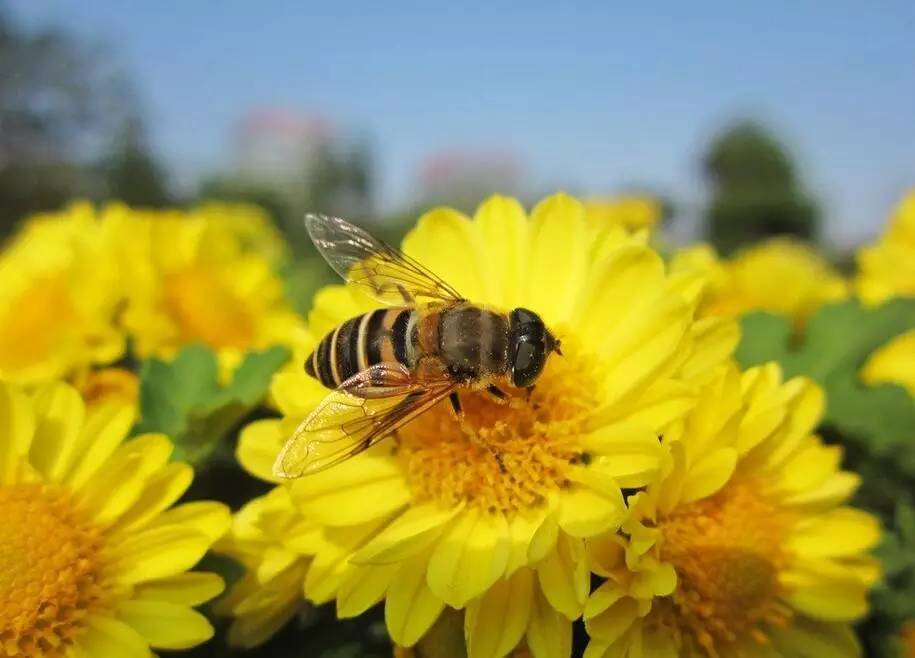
x=392, y=364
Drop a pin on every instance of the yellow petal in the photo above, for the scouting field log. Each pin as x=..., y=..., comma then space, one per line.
x=564, y=577
x=109, y=638
x=549, y=634
x=714, y=341
x=258, y=445
x=354, y=492
x=470, y=555
x=662, y=403
x=592, y=507
x=191, y=588
x=166, y=625
x=556, y=265
x=274, y=561
x=495, y=623
x=449, y=244
x=410, y=607
x=258, y=627
x=114, y=490
x=615, y=620
x=159, y=553
x=204, y=516
x=834, y=491
x=409, y=533
x=626, y=280
x=805, y=638
x=628, y=454
x=601, y=599
x=59, y=412
x=637, y=349
x=331, y=564
x=841, y=532
x=709, y=475
x=160, y=492
x=544, y=539
x=104, y=430
x=522, y=526
x=830, y=600
x=363, y=587
x=502, y=224
x=17, y=425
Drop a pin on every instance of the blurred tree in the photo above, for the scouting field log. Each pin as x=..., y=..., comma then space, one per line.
x=756, y=193
x=130, y=171
x=59, y=103
x=340, y=181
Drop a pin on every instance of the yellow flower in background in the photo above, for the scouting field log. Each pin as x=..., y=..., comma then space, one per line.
x=893, y=363
x=241, y=229
x=742, y=545
x=887, y=268
x=190, y=277
x=95, y=556
x=108, y=385
x=274, y=543
x=59, y=298
x=428, y=519
x=632, y=213
x=780, y=275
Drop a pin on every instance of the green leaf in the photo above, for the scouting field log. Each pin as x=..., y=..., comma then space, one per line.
x=183, y=398
x=169, y=391
x=836, y=343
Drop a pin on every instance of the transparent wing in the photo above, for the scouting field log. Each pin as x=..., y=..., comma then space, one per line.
x=389, y=275
x=360, y=412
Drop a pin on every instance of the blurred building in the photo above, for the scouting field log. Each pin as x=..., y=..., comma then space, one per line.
x=279, y=147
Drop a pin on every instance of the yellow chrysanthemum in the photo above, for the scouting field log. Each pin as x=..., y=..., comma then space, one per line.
x=106, y=385
x=93, y=555
x=779, y=275
x=631, y=213
x=893, y=363
x=189, y=277
x=428, y=519
x=274, y=543
x=59, y=294
x=741, y=546
x=887, y=268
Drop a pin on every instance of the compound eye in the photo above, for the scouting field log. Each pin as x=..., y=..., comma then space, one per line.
x=527, y=364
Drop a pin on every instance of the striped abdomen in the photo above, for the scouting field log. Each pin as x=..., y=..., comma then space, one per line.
x=469, y=341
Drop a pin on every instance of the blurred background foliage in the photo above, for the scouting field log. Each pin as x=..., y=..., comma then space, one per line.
x=72, y=126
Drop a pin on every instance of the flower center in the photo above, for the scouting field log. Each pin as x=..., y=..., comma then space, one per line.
x=727, y=551
x=503, y=456
x=205, y=308
x=35, y=323
x=51, y=571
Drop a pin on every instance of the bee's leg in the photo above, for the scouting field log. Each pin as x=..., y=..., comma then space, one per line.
x=497, y=393
x=455, y=401
x=458, y=410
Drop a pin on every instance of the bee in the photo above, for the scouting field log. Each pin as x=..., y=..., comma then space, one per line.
x=388, y=366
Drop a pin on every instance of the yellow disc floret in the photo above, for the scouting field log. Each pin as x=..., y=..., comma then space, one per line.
x=52, y=570
x=727, y=551
x=503, y=456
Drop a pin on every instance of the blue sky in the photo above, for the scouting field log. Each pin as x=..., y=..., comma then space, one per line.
x=591, y=95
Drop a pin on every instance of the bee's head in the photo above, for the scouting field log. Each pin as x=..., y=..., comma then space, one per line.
x=530, y=344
